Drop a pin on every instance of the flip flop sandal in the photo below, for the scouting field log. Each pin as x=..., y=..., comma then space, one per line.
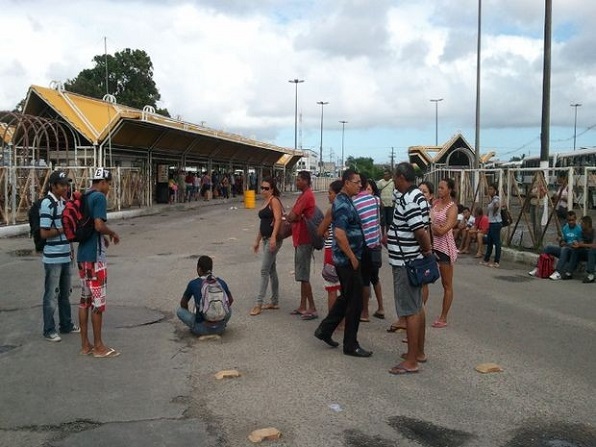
x=83, y=353
x=365, y=320
x=111, y=352
x=309, y=316
x=393, y=328
x=297, y=312
x=439, y=324
x=378, y=315
x=399, y=369
x=271, y=306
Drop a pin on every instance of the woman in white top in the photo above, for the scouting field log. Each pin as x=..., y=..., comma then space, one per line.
x=495, y=224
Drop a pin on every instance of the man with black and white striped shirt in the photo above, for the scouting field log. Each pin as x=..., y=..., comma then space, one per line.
x=408, y=239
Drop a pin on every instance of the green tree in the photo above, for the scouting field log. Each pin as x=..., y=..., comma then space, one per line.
x=130, y=80
x=19, y=107
x=366, y=166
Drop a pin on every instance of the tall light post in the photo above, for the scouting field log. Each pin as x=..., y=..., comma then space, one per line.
x=436, y=101
x=322, y=104
x=478, y=62
x=343, y=130
x=296, y=81
x=576, y=105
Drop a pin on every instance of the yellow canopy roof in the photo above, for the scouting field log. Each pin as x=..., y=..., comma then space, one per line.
x=96, y=119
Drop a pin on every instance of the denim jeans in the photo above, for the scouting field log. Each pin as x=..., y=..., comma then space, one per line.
x=57, y=294
x=493, y=237
x=567, y=260
x=584, y=254
x=200, y=327
x=269, y=270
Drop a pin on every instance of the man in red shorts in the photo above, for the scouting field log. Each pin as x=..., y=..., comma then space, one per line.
x=91, y=258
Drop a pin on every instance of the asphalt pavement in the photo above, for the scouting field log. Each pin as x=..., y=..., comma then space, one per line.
x=161, y=391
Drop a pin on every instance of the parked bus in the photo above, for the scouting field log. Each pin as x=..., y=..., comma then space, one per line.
x=579, y=160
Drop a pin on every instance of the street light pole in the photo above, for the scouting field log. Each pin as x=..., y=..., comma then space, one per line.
x=296, y=81
x=436, y=101
x=343, y=129
x=576, y=105
x=322, y=104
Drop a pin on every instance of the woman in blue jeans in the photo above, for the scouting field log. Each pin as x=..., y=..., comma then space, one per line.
x=493, y=237
x=270, y=216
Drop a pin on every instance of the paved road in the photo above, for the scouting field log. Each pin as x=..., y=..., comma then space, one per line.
x=161, y=391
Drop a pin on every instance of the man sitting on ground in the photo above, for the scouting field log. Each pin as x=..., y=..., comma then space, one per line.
x=571, y=233
x=213, y=301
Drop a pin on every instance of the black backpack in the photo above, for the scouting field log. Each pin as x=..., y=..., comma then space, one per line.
x=34, y=228
x=313, y=225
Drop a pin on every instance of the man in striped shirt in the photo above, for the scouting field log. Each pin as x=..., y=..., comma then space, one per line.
x=408, y=239
x=56, y=259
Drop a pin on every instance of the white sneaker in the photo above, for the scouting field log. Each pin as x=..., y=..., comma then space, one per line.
x=52, y=337
x=533, y=272
x=555, y=276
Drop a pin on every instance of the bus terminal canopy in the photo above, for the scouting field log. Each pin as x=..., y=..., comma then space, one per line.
x=128, y=130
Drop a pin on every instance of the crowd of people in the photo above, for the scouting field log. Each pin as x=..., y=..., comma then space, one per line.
x=192, y=186
x=364, y=216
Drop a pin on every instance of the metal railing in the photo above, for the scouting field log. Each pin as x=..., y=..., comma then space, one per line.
x=20, y=187
x=530, y=194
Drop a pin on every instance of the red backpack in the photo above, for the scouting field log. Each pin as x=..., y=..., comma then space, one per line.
x=546, y=265
x=78, y=225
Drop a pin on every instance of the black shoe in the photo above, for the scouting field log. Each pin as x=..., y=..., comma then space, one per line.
x=359, y=352
x=326, y=338
x=567, y=276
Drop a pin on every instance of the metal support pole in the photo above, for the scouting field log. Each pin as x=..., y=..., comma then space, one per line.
x=343, y=129
x=575, y=124
x=322, y=104
x=546, y=72
x=296, y=82
x=436, y=101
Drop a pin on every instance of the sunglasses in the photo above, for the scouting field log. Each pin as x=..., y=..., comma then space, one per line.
x=265, y=188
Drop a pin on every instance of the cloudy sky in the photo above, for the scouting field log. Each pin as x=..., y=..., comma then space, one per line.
x=377, y=63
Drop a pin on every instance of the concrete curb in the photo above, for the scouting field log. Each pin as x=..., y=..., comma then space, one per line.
x=23, y=229
x=521, y=257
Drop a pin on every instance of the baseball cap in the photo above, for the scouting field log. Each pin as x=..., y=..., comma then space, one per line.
x=102, y=174
x=59, y=177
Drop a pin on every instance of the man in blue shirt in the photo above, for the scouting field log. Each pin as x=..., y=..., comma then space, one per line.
x=570, y=234
x=347, y=249
x=196, y=321
x=56, y=259
x=91, y=257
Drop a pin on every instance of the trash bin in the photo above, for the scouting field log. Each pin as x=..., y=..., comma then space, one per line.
x=249, y=199
x=162, y=193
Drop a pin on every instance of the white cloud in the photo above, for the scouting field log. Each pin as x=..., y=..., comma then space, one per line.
x=377, y=63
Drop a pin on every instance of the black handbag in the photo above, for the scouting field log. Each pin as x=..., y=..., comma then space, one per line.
x=376, y=256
